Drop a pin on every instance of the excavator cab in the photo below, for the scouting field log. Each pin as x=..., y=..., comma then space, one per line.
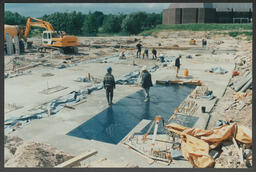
x=47, y=37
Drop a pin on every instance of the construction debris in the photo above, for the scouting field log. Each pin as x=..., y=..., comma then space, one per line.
x=76, y=160
x=244, y=83
x=187, y=107
x=32, y=154
x=218, y=70
x=198, y=92
x=173, y=146
x=197, y=143
x=181, y=82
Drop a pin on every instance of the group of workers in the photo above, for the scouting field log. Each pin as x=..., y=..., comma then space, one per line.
x=139, y=45
x=154, y=52
x=145, y=76
x=144, y=80
x=109, y=84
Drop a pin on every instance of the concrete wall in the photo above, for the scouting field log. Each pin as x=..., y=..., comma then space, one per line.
x=201, y=15
x=210, y=15
x=189, y=15
x=172, y=16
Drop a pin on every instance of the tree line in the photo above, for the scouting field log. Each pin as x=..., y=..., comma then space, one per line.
x=93, y=23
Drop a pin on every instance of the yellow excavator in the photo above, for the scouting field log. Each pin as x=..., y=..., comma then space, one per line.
x=52, y=39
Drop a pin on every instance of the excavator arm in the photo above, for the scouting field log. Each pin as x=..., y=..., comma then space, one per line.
x=37, y=23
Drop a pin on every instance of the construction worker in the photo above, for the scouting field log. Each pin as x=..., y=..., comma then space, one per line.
x=154, y=52
x=145, y=52
x=109, y=85
x=177, y=64
x=138, y=46
x=204, y=43
x=161, y=57
x=146, y=82
x=62, y=34
x=122, y=55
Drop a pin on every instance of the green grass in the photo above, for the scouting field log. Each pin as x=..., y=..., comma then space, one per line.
x=235, y=34
x=198, y=27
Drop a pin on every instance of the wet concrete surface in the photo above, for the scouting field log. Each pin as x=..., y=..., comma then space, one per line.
x=115, y=122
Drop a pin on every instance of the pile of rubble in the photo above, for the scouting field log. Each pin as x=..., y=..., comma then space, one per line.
x=20, y=153
x=202, y=148
x=236, y=106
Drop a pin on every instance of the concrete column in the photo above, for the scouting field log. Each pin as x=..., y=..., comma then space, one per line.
x=9, y=44
x=17, y=45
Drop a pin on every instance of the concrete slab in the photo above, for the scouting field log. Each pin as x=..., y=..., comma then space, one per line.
x=24, y=91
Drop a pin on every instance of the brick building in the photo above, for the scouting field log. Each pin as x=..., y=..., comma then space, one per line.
x=181, y=13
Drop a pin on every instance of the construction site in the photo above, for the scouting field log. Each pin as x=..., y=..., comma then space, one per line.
x=57, y=115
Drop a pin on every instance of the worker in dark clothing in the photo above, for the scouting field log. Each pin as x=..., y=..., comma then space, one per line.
x=161, y=57
x=145, y=53
x=109, y=85
x=138, y=46
x=22, y=47
x=146, y=82
x=154, y=53
x=204, y=43
x=177, y=64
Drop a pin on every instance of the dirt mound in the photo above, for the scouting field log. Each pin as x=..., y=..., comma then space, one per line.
x=12, y=142
x=32, y=154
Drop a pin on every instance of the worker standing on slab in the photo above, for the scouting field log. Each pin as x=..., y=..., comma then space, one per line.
x=204, y=43
x=146, y=82
x=154, y=52
x=138, y=46
x=145, y=53
x=109, y=85
x=177, y=64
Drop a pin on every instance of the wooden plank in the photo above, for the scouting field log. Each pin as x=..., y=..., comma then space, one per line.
x=162, y=82
x=239, y=151
x=242, y=82
x=244, y=88
x=76, y=159
x=145, y=154
x=80, y=102
x=149, y=160
x=69, y=107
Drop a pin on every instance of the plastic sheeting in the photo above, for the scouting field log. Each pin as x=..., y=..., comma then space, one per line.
x=55, y=106
x=196, y=143
x=82, y=79
x=218, y=70
x=133, y=77
x=129, y=78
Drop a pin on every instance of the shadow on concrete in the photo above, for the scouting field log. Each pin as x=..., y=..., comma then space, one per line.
x=115, y=122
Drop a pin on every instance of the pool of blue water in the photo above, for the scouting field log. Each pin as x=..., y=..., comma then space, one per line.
x=114, y=123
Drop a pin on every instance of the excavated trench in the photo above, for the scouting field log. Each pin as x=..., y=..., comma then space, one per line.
x=114, y=123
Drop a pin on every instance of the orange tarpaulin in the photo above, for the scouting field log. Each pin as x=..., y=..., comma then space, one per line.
x=196, y=151
x=196, y=143
x=244, y=135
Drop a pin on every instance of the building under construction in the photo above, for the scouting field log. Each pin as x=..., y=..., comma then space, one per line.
x=181, y=13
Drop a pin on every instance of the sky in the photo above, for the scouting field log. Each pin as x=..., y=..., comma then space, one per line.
x=40, y=9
